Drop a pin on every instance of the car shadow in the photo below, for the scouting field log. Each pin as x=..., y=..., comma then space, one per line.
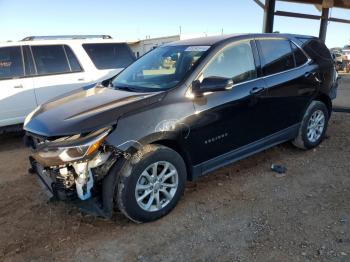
x=11, y=141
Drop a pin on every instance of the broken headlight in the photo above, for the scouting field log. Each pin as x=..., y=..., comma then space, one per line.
x=70, y=149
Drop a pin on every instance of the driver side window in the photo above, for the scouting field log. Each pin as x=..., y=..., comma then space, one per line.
x=235, y=62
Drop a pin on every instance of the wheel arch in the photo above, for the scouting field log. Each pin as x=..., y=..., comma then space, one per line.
x=326, y=100
x=174, y=145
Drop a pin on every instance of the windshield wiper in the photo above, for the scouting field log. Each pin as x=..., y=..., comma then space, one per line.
x=124, y=88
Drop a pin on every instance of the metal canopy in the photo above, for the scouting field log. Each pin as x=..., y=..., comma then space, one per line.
x=326, y=4
x=322, y=5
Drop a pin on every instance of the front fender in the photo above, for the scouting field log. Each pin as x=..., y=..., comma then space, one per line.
x=165, y=122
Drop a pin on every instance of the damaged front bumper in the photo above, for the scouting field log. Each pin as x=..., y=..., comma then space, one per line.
x=80, y=182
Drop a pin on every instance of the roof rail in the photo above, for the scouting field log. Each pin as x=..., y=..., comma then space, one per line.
x=53, y=37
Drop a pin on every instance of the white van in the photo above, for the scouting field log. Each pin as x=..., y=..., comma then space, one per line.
x=37, y=69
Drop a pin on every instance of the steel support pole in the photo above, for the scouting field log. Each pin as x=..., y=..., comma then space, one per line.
x=269, y=14
x=324, y=24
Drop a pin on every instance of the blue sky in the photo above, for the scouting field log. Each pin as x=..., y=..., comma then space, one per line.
x=134, y=19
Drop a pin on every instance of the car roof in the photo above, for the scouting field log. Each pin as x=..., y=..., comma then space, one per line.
x=212, y=40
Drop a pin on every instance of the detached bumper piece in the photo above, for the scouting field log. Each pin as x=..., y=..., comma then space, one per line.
x=56, y=191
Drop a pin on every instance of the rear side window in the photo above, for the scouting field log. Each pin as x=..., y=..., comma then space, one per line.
x=55, y=59
x=277, y=55
x=50, y=59
x=235, y=62
x=317, y=50
x=109, y=56
x=300, y=57
x=11, y=62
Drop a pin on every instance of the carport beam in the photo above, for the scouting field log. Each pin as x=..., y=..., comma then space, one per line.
x=324, y=24
x=269, y=15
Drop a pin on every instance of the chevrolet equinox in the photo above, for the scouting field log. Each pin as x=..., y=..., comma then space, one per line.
x=177, y=113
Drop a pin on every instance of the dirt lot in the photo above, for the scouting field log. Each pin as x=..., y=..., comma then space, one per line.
x=243, y=212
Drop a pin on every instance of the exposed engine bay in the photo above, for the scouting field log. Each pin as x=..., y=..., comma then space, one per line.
x=72, y=168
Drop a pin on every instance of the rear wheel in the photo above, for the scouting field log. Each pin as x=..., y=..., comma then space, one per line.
x=151, y=183
x=313, y=126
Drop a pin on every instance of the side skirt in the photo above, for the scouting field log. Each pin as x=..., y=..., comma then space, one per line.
x=244, y=151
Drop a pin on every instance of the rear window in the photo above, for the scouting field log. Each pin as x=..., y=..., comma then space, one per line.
x=109, y=56
x=11, y=62
x=54, y=59
x=277, y=55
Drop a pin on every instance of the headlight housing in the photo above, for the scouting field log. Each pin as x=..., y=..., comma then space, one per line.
x=70, y=149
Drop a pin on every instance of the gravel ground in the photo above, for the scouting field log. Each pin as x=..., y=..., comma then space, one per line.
x=243, y=212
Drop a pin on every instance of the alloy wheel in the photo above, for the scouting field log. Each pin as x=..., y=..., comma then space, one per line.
x=315, y=126
x=156, y=186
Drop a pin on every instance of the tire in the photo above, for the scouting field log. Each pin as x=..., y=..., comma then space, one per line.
x=306, y=139
x=139, y=171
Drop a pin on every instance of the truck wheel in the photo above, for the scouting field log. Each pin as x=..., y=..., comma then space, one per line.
x=151, y=183
x=313, y=126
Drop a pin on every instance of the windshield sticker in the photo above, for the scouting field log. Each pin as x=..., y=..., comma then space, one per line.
x=197, y=48
x=5, y=63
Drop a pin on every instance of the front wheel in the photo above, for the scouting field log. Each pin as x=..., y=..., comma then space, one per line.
x=313, y=126
x=151, y=183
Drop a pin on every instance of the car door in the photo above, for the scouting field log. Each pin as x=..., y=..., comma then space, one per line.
x=17, y=98
x=228, y=120
x=290, y=79
x=58, y=71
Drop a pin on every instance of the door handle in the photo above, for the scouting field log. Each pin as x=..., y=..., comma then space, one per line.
x=312, y=74
x=18, y=86
x=81, y=79
x=309, y=74
x=257, y=90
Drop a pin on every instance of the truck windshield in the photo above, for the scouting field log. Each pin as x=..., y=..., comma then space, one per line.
x=162, y=68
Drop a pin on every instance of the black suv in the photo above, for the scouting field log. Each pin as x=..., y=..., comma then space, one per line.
x=177, y=113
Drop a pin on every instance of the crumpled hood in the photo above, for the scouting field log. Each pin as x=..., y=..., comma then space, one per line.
x=86, y=110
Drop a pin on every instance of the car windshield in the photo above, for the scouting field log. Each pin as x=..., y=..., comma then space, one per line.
x=160, y=69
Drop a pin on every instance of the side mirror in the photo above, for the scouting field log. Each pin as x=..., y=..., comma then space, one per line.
x=107, y=82
x=211, y=84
